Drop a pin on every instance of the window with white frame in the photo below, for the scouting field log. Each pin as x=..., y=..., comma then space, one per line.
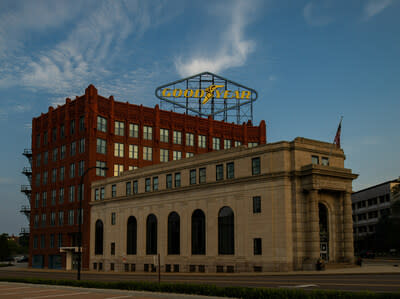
x=101, y=146
x=177, y=155
x=100, y=168
x=119, y=128
x=101, y=124
x=216, y=143
x=164, y=154
x=147, y=153
x=202, y=141
x=188, y=155
x=133, y=130
x=119, y=149
x=227, y=143
x=252, y=144
x=177, y=137
x=147, y=133
x=133, y=151
x=189, y=139
x=164, y=135
x=118, y=169
x=238, y=143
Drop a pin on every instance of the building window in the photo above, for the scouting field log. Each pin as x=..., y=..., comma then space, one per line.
x=189, y=155
x=155, y=183
x=61, y=218
x=51, y=240
x=177, y=155
x=37, y=180
x=202, y=175
x=177, y=180
x=102, y=193
x=118, y=169
x=101, y=146
x=42, y=241
x=100, y=171
x=219, y=169
x=128, y=188
x=256, y=204
x=198, y=232
x=227, y=143
x=46, y=157
x=230, y=170
x=164, y=153
x=192, y=176
x=54, y=134
x=71, y=217
x=61, y=195
x=60, y=240
x=113, y=218
x=38, y=140
x=147, y=133
x=44, y=199
x=325, y=161
x=72, y=127
x=54, y=175
x=216, y=143
x=101, y=124
x=82, y=123
x=53, y=197
x=226, y=232
x=119, y=150
x=147, y=185
x=119, y=128
x=169, y=181
x=114, y=190
x=37, y=200
x=164, y=135
x=173, y=233
x=38, y=160
x=45, y=138
x=55, y=154
x=72, y=170
x=36, y=221
x=133, y=130
x=315, y=160
x=252, y=144
x=151, y=234
x=201, y=141
x=35, y=242
x=71, y=193
x=43, y=220
x=238, y=143
x=73, y=149
x=257, y=246
x=189, y=139
x=177, y=137
x=81, y=168
x=135, y=187
x=131, y=238
x=53, y=218
x=62, y=151
x=62, y=173
x=147, y=153
x=98, y=237
x=96, y=194
x=255, y=166
x=133, y=151
x=82, y=145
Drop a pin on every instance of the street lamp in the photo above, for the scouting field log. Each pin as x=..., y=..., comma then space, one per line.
x=80, y=214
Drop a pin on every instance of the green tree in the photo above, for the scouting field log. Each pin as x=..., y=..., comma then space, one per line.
x=4, y=250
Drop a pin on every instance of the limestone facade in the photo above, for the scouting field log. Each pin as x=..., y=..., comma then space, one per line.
x=276, y=196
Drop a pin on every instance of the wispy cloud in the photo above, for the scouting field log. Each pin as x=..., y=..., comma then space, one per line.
x=314, y=14
x=374, y=7
x=233, y=49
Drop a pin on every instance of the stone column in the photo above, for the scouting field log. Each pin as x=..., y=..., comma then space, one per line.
x=348, y=228
x=313, y=233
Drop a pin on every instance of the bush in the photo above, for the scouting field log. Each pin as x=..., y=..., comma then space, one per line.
x=209, y=290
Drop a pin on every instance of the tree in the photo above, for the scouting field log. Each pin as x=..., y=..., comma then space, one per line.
x=4, y=249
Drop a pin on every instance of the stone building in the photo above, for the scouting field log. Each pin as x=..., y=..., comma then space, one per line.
x=274, y=207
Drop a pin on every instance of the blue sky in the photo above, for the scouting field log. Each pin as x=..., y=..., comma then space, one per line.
x=310, y=61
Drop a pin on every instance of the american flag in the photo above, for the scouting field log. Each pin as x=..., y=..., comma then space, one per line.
x=337, y=137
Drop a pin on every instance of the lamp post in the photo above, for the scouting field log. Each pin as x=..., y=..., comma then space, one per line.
x=80, y=214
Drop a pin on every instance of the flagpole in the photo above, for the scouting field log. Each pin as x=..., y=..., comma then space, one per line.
x=334, y=139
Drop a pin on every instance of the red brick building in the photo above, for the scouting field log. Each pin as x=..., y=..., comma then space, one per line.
x=96, y=131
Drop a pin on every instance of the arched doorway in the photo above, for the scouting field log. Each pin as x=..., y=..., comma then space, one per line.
x=323, y=232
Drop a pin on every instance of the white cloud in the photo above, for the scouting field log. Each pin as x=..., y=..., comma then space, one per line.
x=314, y=14
x=233, y=50
x=374, y=7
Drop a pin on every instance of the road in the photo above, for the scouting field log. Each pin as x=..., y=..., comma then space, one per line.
x=389, y=282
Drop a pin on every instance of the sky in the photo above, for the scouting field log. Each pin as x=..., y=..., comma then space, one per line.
x=311, y=62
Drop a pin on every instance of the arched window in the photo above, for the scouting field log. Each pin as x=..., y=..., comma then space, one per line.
x=131, y=237
x=173, y=233
x=226, y=231
x=98, y=236
x=198, y=232
x=151, y=234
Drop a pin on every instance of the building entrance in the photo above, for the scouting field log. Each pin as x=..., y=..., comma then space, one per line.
x=323, y=232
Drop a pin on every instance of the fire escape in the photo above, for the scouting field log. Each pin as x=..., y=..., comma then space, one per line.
x=27, y=190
